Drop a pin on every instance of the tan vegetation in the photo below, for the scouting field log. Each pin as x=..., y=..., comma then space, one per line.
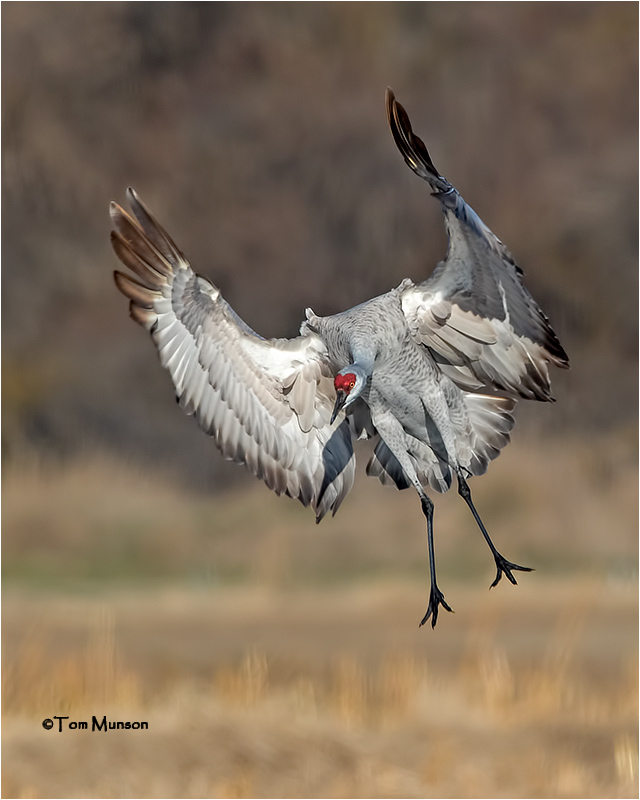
x=474, y=715
x=561, y=505
x=275, y=658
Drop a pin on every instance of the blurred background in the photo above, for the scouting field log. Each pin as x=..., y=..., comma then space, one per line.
x=146, y=578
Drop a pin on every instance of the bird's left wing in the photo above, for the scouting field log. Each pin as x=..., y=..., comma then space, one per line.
x=267, y=403
x=474, y=313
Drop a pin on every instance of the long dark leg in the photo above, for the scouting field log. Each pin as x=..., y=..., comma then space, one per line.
x=436, y=598
x=502, y=564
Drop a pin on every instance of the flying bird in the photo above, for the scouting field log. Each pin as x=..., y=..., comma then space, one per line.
x=431, y=371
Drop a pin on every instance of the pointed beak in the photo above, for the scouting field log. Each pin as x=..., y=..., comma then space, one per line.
x=341, y=399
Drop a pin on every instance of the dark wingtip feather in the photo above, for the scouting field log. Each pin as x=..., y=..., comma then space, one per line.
x=115, y=210
x=154, y=232
x=136, y=292
x=141, y=260
x=413, y=149
x=389, y=97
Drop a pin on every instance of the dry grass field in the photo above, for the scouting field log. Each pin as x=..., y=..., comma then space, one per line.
x=336, y=695
x=274, y=658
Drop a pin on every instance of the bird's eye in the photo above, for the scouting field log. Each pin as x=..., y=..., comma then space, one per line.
x=352, y=384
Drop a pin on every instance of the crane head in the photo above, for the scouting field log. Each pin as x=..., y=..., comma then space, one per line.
x=348, y=385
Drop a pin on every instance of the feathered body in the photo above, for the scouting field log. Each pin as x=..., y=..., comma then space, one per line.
x=413, y=406
x=419, y=367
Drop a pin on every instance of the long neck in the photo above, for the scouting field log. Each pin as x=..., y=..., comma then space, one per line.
x=362, y=367
x=364, y=356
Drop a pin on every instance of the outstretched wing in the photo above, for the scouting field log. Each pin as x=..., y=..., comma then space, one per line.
x=473, y=313
x=267, y=403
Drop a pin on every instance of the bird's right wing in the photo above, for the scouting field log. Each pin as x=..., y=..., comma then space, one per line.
x=267, y=403
x=474, y=313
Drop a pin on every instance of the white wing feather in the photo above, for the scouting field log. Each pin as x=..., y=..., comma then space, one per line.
x=267, y=403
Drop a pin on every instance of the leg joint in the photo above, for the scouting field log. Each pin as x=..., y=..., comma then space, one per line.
x=427, y=505
x=463, y=487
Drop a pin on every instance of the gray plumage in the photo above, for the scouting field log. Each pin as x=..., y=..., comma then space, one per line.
x=417, y=368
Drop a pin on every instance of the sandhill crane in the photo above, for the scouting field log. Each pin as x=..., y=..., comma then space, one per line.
x=419, y=368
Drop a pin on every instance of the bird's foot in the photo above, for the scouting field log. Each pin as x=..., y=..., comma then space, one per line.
x=505, y=567
x=436, y=599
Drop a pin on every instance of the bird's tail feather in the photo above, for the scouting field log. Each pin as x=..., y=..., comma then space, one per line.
x=490, y=421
